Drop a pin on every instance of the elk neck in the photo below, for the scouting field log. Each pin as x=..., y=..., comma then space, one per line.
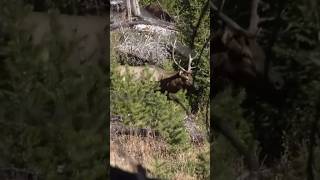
x=175, y=82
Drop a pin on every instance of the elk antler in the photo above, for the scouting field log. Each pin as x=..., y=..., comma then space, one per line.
x=190, y=61
x=254, y=19
x=174, y=60
x=229, y=21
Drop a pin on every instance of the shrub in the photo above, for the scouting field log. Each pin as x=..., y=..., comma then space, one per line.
x=53, y=114
x=142, y=106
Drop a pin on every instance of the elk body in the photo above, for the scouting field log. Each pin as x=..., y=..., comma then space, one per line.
x=238, y=57
x=169, y=82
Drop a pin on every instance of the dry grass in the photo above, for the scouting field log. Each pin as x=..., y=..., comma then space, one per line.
x=127, y=151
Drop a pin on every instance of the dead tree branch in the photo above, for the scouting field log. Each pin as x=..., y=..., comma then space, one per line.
x=232, y=24
x=195, y=31
x=135, y=7
x=254, y=19
x=130, y=24
x=129, y=12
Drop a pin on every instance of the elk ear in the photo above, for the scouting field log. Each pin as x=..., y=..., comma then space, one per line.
x=180, y=73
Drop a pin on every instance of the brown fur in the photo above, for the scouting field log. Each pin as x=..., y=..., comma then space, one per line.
x=180, y=80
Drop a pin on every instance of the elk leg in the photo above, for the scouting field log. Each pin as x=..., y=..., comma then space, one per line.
x=176, y=99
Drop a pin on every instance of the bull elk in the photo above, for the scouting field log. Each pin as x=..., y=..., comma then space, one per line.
x=170, y=82
x=238, y=57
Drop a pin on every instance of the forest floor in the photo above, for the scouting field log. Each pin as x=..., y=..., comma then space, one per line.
x=128, y=151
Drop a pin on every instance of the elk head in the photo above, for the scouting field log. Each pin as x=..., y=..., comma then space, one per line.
x=179, y=80
x=234, y=58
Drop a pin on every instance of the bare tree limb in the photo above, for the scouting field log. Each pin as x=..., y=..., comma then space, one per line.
x=135, y=7
x=195, y=31
x=267, y=19
x=174, y=60
x=222, y=5
x=273, y=39
x=254, y=19
x=230, y=22
x=129, y=10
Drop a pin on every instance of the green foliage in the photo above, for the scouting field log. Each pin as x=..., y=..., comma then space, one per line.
x=187, y=17
x=297, y=57
x=52, y=111
x=146, y=2
x=194, y=32
x=197, y=167
x=228, y=107
x=202, y=166
x=224, y=157
x=142, y=106
x=290, y=110
x=226, y=160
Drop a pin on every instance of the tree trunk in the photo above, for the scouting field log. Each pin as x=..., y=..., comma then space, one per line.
x=129, y=10
x=135, y=7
